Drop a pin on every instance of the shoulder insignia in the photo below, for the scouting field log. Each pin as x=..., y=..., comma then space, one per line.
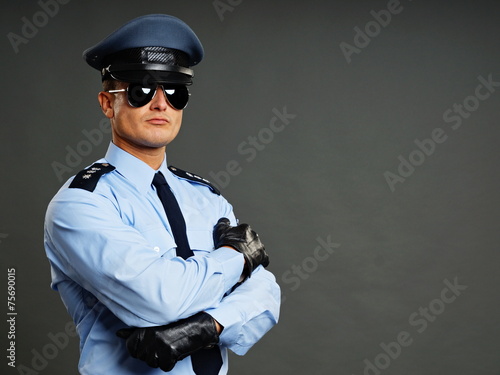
x=89, y=177
x=192, y=177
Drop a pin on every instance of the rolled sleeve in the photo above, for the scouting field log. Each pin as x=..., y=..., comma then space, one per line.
x=249, y=312
x=231, y=262
x=121, y=269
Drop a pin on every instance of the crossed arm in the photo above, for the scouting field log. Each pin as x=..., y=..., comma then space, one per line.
x=163, y=346
x=143, y=290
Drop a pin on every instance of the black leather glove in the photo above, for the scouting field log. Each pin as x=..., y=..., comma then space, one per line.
x=243, y=239
x=163, y=346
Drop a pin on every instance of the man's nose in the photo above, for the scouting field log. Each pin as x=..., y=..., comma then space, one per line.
x=160, y=101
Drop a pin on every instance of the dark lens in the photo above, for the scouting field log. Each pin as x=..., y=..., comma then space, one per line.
x=139, y=95
x=177, y=96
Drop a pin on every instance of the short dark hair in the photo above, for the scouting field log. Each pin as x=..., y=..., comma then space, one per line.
x=110, y=84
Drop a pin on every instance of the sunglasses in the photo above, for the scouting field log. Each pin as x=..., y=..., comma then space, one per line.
x=138, y=95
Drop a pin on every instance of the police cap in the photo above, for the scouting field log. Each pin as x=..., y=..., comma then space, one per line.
x=155, y=47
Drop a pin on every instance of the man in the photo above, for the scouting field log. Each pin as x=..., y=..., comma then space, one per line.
x=149, y=260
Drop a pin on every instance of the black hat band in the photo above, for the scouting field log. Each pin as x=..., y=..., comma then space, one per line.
x=146, y=67
x=148, y=63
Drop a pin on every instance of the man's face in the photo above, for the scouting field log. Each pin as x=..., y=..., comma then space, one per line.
x=152, y=126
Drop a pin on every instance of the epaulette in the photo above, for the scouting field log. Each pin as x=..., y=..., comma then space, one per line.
x=89, y=177
x=192, y=177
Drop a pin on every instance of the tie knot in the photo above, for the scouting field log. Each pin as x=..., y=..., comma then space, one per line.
x=159, y=179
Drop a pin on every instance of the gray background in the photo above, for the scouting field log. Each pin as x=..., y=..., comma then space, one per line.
x=321, y=177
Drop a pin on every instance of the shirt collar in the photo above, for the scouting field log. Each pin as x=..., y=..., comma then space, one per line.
x=132, y=168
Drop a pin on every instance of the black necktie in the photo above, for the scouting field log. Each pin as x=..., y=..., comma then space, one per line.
x=205, y=361
x=174, y=215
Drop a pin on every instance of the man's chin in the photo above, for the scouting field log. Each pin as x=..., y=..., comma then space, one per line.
x=133, y=147
x=153, y=143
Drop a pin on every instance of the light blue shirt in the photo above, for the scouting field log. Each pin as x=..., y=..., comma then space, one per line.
x=113, y=261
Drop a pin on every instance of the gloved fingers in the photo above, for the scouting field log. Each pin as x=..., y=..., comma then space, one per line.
x=231, y=236
x=238, y=234
x=131, y=344
x=220, y=228
x=252, y=237
x=223, y=220
x=150, y=357
x=144, y=348
x=247, y=233
x=265, y=262
x=124, y=333
x=134, y=341
x=243, y=228
x=166, y=362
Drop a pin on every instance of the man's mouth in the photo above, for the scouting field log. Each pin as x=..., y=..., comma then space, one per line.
x=158, y=121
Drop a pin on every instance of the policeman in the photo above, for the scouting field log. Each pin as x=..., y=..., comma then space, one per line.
x=149, y=260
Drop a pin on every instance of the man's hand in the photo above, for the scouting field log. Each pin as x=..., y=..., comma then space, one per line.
x=163, y=346
x=243, y=239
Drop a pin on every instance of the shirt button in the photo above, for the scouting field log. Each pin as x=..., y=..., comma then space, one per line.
x=157, y=249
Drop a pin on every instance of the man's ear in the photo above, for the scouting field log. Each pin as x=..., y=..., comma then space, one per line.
x=106, y=100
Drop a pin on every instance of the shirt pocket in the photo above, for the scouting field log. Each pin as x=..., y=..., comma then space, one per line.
x=201, y=241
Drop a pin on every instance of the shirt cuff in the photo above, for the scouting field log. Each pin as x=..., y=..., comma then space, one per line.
x=232, y=263
x=231, y=321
